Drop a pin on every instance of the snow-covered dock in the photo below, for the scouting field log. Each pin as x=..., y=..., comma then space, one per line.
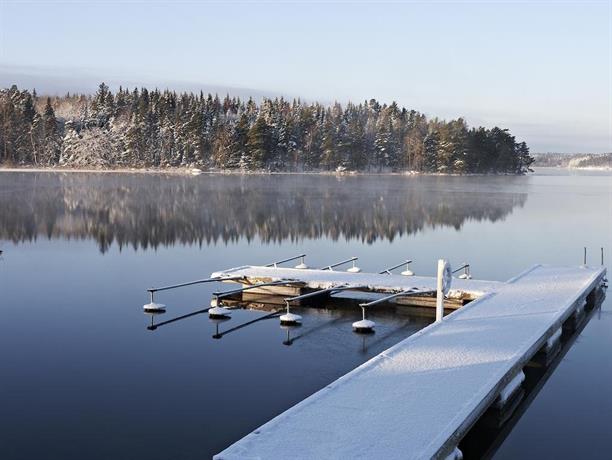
x=313, y=279
x=419, y=398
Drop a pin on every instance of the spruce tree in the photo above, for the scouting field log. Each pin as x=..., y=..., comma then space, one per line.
x=431, y=144
x=258, y=145
x=52, y=139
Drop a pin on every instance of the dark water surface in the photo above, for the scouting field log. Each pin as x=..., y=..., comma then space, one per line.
x=82, y=377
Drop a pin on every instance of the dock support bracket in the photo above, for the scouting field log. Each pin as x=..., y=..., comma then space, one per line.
x=509, y=390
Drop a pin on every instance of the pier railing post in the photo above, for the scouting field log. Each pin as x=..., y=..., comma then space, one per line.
x=445, y=277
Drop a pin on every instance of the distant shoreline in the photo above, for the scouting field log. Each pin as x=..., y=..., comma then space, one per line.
x=174, y=171
x=186, y=171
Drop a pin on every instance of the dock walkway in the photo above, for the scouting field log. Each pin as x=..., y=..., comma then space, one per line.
x=420, y=397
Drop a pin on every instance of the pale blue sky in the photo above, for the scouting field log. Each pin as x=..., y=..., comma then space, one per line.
x=541, y=69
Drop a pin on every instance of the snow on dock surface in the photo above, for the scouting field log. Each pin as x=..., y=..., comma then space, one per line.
x=324, y=279
x=420, y=397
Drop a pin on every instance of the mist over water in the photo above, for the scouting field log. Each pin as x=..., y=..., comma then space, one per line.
x=160, y=210
x=81, y=376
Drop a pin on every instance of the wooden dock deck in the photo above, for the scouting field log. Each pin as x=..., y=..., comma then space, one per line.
x=314, y=279
x=419, y=398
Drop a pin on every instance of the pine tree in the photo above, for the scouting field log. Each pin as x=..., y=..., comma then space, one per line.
x=134, y=142
x=258, y=144
x=102, y=106
x=414, y=148
x=51, y=138
x=238, y=151
x=70, y=145
x=524, y=158
x=330, y=158
x=431, y=144
x=357, y=156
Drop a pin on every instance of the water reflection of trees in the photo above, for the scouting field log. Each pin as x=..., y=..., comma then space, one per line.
x=152, y=210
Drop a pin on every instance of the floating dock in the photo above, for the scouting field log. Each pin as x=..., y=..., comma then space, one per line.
x=419, y=398
x=356, y=285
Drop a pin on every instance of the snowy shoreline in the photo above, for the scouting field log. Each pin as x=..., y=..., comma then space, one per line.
x=196, y=172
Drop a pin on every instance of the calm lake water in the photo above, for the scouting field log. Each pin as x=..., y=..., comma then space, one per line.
x=81, y=376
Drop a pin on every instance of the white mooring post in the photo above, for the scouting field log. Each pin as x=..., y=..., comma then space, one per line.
x=445, y=277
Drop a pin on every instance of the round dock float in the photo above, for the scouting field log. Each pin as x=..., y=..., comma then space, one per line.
x=218, y=312
x=364, y=326
x=407, y=272
x=354, y=268
x=290, y=319
x=301, y=265
x=154, y=307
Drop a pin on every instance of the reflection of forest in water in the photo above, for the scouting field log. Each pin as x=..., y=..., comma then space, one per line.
x=145, y=210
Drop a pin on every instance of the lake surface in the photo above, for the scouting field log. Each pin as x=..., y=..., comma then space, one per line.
x=81, y=376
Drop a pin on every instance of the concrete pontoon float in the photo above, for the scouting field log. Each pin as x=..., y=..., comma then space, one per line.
x=421, y=397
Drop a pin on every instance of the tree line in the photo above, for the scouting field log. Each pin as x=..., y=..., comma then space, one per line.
x=142, y=128
x=574, y=160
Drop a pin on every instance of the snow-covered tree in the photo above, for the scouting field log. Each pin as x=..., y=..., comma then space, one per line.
x=142, y=128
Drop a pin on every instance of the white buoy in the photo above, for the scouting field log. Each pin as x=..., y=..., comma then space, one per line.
x=466, y=275
x=364, y=325
x=154, y=307
x=217, y=311
x=290, y=319
x=354, y=268
x=301, y=265
x=407, y=272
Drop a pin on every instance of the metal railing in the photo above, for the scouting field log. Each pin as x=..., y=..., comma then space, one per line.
x=337, y=264
x=388, y=270
x=278, y=262
x=410, y=292
x=220, y=295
